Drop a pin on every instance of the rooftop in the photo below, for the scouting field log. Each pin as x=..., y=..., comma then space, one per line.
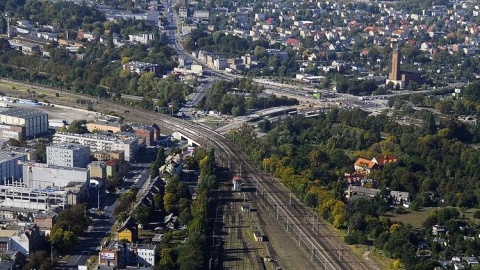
x=149, y=247
x=22, y=113
x=72, y=146
x=9, y=156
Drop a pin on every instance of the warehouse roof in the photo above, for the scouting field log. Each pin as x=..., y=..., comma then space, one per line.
x=22, y=113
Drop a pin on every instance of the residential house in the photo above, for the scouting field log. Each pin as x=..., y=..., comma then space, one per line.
x=365, y=166
x=45, y=221
x=112, y=254
x=470, y=260
x=381, y=161
x=27, y=239
x=170, y=221
x=127, y=231
x=144, y=254
x=438, y=229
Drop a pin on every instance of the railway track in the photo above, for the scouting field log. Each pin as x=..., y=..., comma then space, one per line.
x=324, y=251
x=318, y=243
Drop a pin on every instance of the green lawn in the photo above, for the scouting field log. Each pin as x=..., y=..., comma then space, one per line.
x=416, y=218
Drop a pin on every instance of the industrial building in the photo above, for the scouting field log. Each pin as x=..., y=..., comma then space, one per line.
x=101, y=142
x=68, y=155
x=10, y=168
x=12, y=132
x=17, y=195
x=41, y=176
x=32, y=153
x=35, y=122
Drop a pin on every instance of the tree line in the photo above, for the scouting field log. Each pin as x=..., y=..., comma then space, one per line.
x=311, y=156
x=240, y=95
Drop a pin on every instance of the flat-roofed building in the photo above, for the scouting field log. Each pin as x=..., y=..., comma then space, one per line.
x=102, y=142
x=109, y=155
x=68, y=155
x=35, y=122
x=97, y=170
x=32, y=153
x=45, y=221
x=42, y=176
x=140, y=67
x=17, y=195
x=10, y=167
x=145, y=132
x=105, y=127
x=12, y=132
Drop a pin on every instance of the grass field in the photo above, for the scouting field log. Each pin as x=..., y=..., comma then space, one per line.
x=416, y=218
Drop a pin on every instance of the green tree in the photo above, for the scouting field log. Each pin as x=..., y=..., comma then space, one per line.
x=430, y=126
x=167, y=259
x=142, y=214
x=78, y=126
x=39, y=260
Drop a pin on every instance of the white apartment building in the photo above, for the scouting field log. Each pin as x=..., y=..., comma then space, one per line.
x=100, y=142
x=68, y=155
x=140, y=67
x=146, y=255
x=141, y=38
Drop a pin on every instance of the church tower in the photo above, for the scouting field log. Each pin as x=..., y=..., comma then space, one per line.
x=395, y=74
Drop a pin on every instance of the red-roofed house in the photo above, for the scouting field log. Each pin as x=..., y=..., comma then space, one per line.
x=365, y=166
x=294, y=42
x=269, y=20
x=383, y=160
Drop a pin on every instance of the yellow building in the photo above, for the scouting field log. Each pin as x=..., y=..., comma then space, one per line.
x=127, y=231
x=105, y=127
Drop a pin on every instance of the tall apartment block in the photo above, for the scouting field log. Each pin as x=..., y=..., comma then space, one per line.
x=68, y=155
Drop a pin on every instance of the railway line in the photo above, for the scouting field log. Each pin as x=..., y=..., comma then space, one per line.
x=315, y=239
x=324, y=251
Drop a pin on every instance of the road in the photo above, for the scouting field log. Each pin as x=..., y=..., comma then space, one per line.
x=101, y=226
x=309, y=231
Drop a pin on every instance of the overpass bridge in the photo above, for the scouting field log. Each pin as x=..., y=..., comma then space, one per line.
x=183, y=137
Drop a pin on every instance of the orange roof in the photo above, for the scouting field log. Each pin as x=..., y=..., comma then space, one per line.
x=362, y=162
x=382, y=160
x=237, y=178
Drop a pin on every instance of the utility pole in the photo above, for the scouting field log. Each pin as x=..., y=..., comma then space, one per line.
x=276, y=208
x=98, y=198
